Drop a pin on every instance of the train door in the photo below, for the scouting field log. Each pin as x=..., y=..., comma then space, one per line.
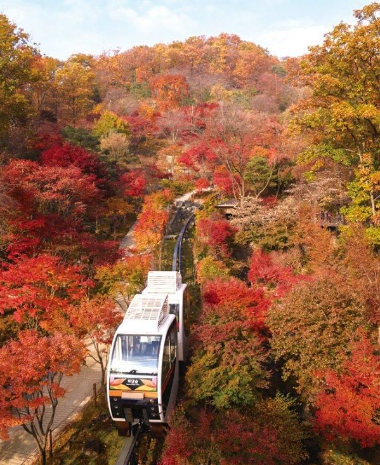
x=169, y=363
x=186, y=308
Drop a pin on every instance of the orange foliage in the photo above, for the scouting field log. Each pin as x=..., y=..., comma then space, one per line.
x=350, y=404
x=149, y=230
x=169, y=90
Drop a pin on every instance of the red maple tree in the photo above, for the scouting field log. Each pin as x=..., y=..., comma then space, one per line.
x=31, y=371
x=40, y=291
x=134, y=183
x=66, y=155
x=266, y=274
x=227, y=295
x=349, y=406
x=216, y=234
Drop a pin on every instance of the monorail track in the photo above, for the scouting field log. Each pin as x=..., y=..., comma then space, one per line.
x=128, y=452
x=177, y=254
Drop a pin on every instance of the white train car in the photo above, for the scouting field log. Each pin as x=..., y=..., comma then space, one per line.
x=170, y=283
x=143, y=371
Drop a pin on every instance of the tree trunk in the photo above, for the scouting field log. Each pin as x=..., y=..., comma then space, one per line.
x=41, y=440
x=41, y=450
x=373, y=205
x=242, y=191
x=103, y=369
x=43, y=456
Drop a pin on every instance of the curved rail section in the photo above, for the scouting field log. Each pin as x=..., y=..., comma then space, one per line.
x=177, y=253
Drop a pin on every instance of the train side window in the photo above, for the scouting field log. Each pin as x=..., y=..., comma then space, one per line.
x=186, y=309
x=173, y=345
x=174, y=310
x=166, y=362
x=186, y=303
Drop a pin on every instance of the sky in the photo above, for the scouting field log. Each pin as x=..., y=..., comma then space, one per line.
x=284, y=27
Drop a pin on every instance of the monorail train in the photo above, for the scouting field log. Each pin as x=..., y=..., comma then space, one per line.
x=143, y=370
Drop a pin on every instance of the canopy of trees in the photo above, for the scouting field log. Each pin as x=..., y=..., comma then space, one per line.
x=283, y=155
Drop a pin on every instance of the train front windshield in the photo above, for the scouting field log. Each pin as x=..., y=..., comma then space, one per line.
x=136, y=354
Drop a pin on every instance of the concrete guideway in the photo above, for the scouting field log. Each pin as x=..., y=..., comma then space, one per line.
x=128, y=443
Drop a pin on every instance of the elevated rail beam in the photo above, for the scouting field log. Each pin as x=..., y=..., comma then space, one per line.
x=127, y=454
x=177, y=254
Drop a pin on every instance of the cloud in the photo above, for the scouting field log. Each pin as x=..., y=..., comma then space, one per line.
x=273, y=3
x=293, y=41
x=154, y=19
x=174, y=2
x=63, y=27
x=79, y=11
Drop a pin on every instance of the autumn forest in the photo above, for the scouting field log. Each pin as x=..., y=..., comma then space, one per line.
x=283, y=157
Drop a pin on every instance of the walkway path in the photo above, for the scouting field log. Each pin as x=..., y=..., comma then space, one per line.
x=128, y=240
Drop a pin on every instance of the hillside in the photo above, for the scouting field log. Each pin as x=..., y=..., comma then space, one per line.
x=283, y=155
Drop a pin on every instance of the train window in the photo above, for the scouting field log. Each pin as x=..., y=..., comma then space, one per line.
x=170, y=352
x=166, y=362
x=186, y=303
x=138, y=353
x=186, y=308
x=174, y=310
x=173, y=345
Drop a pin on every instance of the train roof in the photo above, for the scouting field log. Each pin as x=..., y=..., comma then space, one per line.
x=163, y=282
x=146, y=314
